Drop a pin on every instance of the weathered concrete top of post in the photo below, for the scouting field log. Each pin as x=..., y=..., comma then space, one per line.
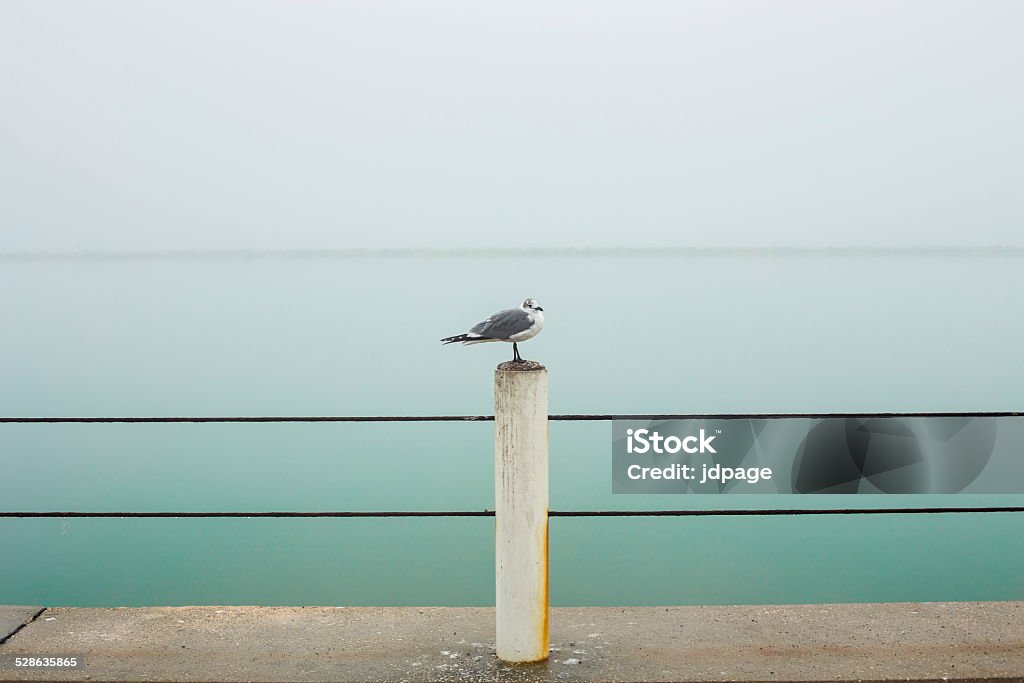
x=520, y=366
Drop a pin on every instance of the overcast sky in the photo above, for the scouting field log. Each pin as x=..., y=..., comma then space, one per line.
x=191, y=125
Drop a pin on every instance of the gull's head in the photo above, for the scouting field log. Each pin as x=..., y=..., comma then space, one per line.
x=532, y=305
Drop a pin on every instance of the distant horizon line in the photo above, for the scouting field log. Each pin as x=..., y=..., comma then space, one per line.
x=782, y=250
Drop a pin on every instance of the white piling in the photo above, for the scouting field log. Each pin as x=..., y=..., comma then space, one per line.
x=521, y=511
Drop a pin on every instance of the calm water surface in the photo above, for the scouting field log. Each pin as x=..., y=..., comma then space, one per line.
x=358, y=336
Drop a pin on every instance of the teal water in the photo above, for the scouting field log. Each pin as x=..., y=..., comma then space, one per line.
x=357, y=335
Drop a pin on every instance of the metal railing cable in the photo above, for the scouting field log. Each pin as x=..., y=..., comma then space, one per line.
x=489, y=418
x=551, y=513
x=490, y=513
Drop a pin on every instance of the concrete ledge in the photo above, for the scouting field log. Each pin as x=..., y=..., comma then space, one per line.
x=14, y=617
x=905, y=641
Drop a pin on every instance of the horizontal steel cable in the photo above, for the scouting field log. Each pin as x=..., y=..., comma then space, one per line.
x=489, y=418
x=488, y=513
x=552, y=513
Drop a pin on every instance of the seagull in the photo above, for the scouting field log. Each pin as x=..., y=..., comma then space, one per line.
x=511, y=325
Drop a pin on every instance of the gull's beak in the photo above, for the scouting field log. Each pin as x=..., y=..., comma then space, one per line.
x=539, y=308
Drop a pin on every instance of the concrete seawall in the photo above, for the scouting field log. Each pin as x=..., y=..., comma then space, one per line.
x=880, y=642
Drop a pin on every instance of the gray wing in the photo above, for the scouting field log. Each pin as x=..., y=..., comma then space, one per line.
x=504, y=324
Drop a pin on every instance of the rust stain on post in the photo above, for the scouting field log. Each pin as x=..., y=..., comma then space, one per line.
x=545, y=628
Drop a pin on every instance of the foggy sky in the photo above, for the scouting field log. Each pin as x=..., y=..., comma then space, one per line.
x=225, y=125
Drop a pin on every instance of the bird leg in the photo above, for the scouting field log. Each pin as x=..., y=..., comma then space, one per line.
x=516, y=358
